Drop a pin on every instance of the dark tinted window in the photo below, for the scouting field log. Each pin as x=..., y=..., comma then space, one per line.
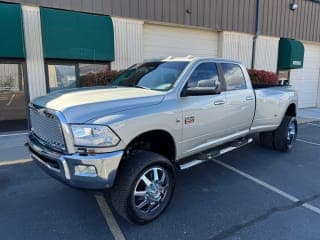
x=204, y=75
x=233, y=76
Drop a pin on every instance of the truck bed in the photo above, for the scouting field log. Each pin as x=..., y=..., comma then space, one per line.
x=270, y=106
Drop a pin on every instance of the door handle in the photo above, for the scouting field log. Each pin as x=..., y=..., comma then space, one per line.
x=249, y=98
x=219, y=102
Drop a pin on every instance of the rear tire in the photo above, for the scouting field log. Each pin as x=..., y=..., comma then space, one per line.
x=286, y=134
x=132, y=190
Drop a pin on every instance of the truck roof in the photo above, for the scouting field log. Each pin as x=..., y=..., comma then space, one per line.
x=194, y=59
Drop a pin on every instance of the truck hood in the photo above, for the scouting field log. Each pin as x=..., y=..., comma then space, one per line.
x=82, y=105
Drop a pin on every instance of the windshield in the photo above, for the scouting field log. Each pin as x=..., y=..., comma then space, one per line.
x=159, y=76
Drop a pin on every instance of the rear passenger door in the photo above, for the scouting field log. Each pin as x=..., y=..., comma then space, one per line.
x=240, y=99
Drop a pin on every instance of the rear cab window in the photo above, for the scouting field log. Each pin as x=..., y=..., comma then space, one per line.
x=233, y=76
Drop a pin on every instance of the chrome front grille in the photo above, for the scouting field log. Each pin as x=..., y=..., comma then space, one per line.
x=47, y=128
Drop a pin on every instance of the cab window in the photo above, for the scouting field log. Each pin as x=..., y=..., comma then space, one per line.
x=233, y=76
x=204, y=76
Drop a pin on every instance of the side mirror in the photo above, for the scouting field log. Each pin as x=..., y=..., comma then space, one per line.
x=203, y=88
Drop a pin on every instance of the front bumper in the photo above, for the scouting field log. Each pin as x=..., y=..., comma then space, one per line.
x=62, y=166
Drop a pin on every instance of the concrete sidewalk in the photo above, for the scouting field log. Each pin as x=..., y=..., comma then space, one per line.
x=308, y=115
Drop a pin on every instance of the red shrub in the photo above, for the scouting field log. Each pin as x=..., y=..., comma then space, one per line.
x=98, y=79
x=263, y=77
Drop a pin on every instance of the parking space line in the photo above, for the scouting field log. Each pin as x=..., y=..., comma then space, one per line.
x=312, y=143
x=13, y=134
x=268, y=186
x=11, y=99
x=108, y=216
x=15, y=162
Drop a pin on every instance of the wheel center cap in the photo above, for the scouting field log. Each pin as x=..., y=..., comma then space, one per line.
x=154, y=192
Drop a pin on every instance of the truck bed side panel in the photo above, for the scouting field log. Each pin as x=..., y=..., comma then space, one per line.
x=271, y=105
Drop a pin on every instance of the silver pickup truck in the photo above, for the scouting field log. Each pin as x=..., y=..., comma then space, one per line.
x=156, y=117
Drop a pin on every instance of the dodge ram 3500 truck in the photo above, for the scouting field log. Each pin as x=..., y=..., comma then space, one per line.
x=133, y=135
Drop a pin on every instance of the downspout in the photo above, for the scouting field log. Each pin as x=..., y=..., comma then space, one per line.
x=257, y=33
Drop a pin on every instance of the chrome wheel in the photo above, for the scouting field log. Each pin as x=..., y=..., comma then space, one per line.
x=150, y=190
x=292, y=132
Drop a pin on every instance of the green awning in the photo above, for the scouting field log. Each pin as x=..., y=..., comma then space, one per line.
x=291, y=54
x=76, y=36
x=11, y=31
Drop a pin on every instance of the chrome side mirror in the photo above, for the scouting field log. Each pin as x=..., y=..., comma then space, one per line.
x=204, y=87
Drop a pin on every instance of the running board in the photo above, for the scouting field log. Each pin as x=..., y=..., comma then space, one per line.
x=209, y=155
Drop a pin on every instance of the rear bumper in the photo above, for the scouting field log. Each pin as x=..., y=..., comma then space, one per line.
x=62, y=167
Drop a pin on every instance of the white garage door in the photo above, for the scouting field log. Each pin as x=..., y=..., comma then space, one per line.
x=164, y=41
x=306, y=80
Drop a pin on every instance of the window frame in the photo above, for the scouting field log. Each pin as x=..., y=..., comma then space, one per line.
x=76, y=63
x=225, y=81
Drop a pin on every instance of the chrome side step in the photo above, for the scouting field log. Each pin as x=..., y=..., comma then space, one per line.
x=191, y=164
x=213, y=154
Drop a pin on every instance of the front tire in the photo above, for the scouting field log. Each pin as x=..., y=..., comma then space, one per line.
x=144, y=187
x=285, y=136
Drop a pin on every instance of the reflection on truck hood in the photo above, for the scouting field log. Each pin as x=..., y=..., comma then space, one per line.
x=81, y=105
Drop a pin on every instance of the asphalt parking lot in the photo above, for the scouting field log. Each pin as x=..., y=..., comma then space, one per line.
x=251, y=193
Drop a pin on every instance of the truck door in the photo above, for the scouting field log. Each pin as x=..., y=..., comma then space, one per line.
x=203, y=116
x=240, y=99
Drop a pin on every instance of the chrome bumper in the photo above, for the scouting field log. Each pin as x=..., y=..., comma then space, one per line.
x=62, y=166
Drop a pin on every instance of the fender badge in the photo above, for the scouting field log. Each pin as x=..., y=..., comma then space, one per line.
x=189, y=120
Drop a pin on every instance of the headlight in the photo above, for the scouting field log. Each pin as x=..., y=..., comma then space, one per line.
x=94, y=136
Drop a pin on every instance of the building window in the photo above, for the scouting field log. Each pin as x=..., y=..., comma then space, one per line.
x=93, y=74
x=12, y=97
x=61, y=76
x=64, y=75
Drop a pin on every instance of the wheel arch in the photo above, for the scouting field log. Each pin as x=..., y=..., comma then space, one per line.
x=291, y=110
x=158, y=140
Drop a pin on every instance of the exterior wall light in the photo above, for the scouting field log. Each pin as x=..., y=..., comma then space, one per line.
x=294, y=6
